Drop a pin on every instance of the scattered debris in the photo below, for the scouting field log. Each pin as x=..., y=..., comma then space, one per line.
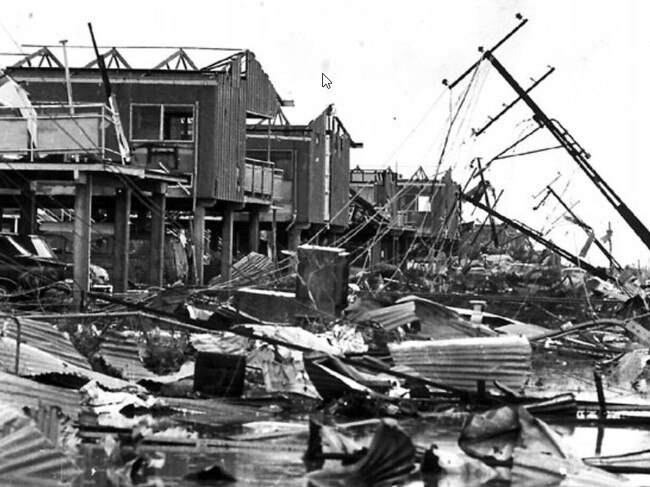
x=390, y=458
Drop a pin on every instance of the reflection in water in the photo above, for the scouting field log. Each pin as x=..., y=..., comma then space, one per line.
x=279, y=462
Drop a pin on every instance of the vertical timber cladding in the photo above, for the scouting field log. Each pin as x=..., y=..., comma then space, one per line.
x=317, y=170
x=261, y=97
x=445, y=210
x=235, y=97
x=230, y=136
x=329, y=178
x=340, y=171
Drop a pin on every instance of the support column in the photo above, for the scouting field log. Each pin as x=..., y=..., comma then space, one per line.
x=122, y=236
x=27, y=207
x=254, y=230
x=157, y=250
x=226, y=243
x=295, y=235
x=199, y=241
x=81, y=238
x=375, y=253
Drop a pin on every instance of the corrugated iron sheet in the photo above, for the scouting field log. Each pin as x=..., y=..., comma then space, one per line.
x=391, y=317
x=23, y=392
x=45, y=336
x=461, y=362
x=214, y=411
x=37, y=363
x=121, y=352
x=435, y=320
x=26, y=454
x=536, y=468
x=253, y=269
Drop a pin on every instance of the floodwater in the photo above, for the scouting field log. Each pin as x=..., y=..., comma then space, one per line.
x=278, y=462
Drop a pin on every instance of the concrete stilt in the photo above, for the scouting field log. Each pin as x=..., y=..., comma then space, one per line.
x=254, y=230
x=226, y=243
x=375, y=253
x=295, y=235
x=396, y=250
x=199, y=241
x=157, y=250
x=122, y=235
x=27, y=206
x=81, y=238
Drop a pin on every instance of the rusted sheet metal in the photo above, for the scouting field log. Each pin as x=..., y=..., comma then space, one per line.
x=37, y=363
x=45, y=336
x=391, y=317
x=537, y=468
x=26, y=455
x=27, y=393
x=121, y=352
x=638, y=462
x=252, y=269
x=462, y=362
x=433, y=319
x=214, y=411
x=331, y=384
x=261, y=97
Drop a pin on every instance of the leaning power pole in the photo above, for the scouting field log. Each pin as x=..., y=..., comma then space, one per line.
x=564, y=138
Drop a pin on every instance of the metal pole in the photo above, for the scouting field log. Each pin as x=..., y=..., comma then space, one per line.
x=18, y=338
x=68, y=82
x=602, y=405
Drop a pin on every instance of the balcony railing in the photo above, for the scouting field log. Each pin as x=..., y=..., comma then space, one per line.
x=79, y=129
x=258, y=180
x=419, y=220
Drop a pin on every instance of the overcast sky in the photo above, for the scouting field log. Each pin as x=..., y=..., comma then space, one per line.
x=387, y=59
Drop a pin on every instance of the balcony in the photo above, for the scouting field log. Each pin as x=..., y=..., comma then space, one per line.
x=79, y=129
x=415, y=220
x=258, y=181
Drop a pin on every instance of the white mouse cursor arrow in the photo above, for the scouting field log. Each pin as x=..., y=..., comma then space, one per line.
x=327, y=83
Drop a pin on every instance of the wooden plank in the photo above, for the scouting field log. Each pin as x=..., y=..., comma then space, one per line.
x=121, y=242
x=81, y=238
x=157, y=249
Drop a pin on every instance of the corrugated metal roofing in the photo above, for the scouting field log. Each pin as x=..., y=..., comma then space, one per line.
x=45, y=336
x=461, y=362
x=252, y=269
x=26, y=454
x=121, y=352
x=23, y=392
x=536, y=468
x=37, y=363
x=214, y=411
x=435, y=320
x=391, y=317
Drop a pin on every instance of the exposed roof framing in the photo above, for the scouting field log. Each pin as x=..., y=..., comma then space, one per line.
x=44, y=55
x=181, y=58
x=420, y=175
x=113, y=58
x=223, y=64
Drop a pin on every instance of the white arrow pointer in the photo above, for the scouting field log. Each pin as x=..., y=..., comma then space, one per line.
x=327, y=83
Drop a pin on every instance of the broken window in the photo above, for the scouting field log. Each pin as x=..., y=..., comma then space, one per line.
x=162, y=122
